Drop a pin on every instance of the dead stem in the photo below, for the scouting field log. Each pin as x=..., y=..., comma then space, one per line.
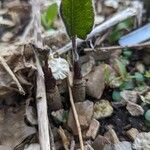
x=7, y=68
x=42, y=108
x=142, y=45
x=41, y=101
x=75, y=116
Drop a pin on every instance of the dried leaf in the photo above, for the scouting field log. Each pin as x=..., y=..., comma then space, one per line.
x=59, y=67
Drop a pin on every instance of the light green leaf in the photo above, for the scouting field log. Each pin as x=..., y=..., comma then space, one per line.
x=49, y=15
x=78, y=17
x=147, y=74
x=122, y=69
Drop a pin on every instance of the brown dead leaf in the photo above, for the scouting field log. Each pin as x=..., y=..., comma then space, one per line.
x=13, y=129
x=22, y=64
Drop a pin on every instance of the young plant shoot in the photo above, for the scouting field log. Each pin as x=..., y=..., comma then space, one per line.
x=78, y=18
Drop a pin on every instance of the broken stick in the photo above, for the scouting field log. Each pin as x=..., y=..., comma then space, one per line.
x=109, y=48
x=42, y=108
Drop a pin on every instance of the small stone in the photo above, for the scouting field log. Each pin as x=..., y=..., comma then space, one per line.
x=132, y=133
x=123, y=146
x=140, y=67
x=60, y=116
x=134, y=109
x=119, y=146
x=93, y=129
x=128, y=95
x=142, y=141
x=85, y=112
x=102, y=109
x=87, y=66
x=95, y=82
x=100, y=142
x=111, y=135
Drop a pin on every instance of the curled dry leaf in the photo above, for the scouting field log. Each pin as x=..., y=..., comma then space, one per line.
x=59, y=67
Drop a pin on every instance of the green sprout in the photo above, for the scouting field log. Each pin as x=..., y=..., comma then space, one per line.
x=49, y=15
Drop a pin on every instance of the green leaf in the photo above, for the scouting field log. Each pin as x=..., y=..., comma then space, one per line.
x=115, y=36
x=127, y=53
x=147, y=74
x=125, y=25
x=118, y=31
x=78, y=17
x=139, y=77
x=127, y=85
x=43, y=20
x=121, y=69
x=49, y=15
x=116, y=96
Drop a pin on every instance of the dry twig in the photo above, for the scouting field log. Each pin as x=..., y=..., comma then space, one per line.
x=7, y=68
x=41, y=101
x=75, y=115
x=142, y=45
x=42, y=108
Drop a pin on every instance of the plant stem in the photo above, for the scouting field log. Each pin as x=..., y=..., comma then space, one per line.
x=76, y=64
x=74, y=49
